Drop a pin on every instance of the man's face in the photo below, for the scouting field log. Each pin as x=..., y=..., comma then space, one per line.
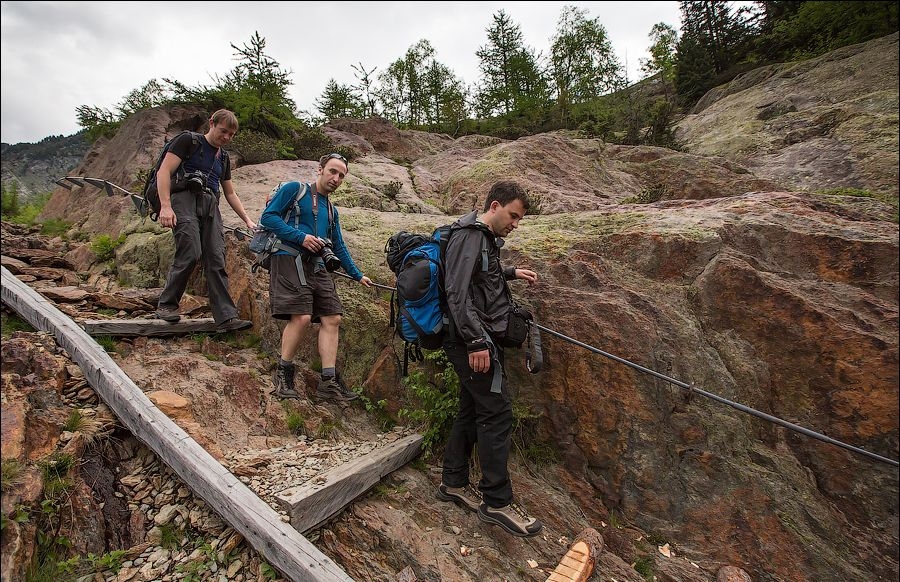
x=330, y=176
x=220, y=135
x=505, y=219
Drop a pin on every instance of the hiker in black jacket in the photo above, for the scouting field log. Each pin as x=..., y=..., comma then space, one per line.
x=478, y=303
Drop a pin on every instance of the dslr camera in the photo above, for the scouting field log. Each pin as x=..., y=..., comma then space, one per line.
x=332, y=263
x=195, y=181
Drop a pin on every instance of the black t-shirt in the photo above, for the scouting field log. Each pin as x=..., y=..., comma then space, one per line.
x=212, y=162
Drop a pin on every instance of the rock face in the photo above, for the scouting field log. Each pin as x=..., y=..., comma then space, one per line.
x=729, y=278
x=828, y=122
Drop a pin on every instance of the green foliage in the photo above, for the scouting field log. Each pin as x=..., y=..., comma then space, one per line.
x=254, y=147
x=887, y=198
x=19, y=515
x=524, y=437
x=295, y=422
x=379, y=410
x=104, y=246
x=652, y=193
x=310, y=143
x=55, y=476
x=15, y=211
x=55, y=227
x=75, y=421
x=339, y=101
x=582, y=61
x=10, y=473
x=9, y=200
x=392, y=190
x=268, y=572
x=98, y=121
x=810, y=29
x=10, y=323
x=106, y=342
x=383, y=491
x=644, y=567
x=434, y=391
x=170, y=536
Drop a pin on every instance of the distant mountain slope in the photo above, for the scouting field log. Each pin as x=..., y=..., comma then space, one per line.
x=35, y=166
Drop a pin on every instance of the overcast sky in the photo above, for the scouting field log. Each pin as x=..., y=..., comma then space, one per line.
x=57, y=56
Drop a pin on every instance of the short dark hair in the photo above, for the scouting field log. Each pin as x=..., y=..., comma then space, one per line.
x=504, y=192
x=335, y=156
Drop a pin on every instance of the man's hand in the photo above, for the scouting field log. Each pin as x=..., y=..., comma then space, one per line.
x=365, y=281
x=313, y=244
x=480, y=361
x=251, y=226
x=167, y=217
x=526, y=275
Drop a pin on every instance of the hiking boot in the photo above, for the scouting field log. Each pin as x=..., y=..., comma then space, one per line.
x=348, y=394
x=233, y=324
x=330, y=389
x=283, y=382
x=466, y=497
x=167, y=314
x=512, y=518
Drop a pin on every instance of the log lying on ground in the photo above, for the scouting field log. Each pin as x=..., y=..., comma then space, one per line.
x=280, y=544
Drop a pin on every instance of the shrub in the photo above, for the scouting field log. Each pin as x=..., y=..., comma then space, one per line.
x=104, y=246
x=435, y=390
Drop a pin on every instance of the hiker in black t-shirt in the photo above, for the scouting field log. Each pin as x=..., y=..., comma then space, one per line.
x=190, y=207
x=478, y=304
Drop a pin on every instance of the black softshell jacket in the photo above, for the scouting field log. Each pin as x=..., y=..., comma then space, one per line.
x=478, y=300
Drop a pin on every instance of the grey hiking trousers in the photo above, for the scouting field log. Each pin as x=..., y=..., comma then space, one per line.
x=198, y=237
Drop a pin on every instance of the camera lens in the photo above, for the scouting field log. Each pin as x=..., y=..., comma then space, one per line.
x=332, y=263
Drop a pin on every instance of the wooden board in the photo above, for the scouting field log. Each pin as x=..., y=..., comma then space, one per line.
x=578, y=563
x=148, y=327
x=280, y=544
x=314, y=503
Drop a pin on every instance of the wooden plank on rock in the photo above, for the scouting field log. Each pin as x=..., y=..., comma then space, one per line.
x=315, y=502
x=148, y=327
x=280, y=544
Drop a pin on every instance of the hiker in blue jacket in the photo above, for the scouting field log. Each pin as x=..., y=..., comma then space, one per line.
x=301, y=288
x=478, y=303
x=191, y=210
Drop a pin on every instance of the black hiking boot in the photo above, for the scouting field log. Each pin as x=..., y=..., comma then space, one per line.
x=283, y=382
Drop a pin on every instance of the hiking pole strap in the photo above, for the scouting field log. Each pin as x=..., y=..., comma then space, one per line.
x=534, y=357
x=497, y=380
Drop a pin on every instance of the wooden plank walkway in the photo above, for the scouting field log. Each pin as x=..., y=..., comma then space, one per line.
x=313, y=503
x=279, y=543
x=148, y=327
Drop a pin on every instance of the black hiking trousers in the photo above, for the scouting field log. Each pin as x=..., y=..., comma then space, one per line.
x=198, y=237
x=484, y=419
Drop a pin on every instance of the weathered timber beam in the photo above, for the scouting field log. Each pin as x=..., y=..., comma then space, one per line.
x=279, y=543
x=313, y=503
x=148, y=327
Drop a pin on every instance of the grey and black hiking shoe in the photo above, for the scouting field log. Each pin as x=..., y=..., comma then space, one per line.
x=333, y=391
x=168, y=314
x=283, y=382
x=348, y=394
x=466, y=497
x=513, y=518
